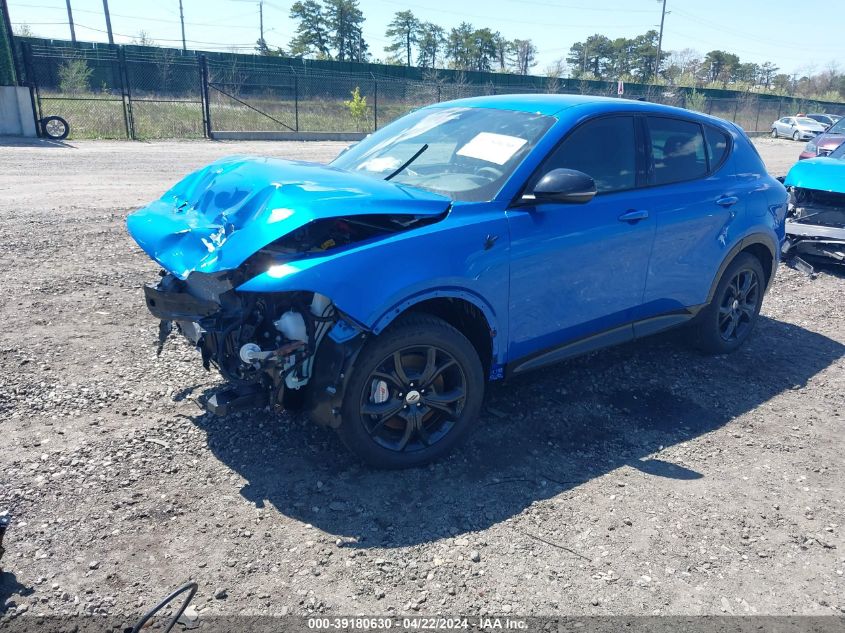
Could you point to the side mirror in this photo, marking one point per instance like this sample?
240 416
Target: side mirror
563 185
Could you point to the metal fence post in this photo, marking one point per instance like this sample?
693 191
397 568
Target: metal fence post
757 118
125 93
206 109
736 109
296 102
375 105
780 107
438 93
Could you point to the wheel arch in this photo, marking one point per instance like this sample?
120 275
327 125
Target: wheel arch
759 245
466 312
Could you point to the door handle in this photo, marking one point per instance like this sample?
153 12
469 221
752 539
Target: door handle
727 201
635 215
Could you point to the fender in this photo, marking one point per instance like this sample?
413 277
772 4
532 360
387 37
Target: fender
749 240
372 283
448 293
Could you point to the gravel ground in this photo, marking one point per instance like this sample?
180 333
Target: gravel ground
639 480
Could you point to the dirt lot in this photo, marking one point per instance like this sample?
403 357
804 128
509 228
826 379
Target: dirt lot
640 480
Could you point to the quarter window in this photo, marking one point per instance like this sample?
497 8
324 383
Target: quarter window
717 146
604 149
677 148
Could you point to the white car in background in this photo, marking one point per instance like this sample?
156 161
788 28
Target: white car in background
798 128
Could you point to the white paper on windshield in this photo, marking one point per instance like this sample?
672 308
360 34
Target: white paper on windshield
493 148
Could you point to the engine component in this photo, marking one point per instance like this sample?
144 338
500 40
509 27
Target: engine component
292 325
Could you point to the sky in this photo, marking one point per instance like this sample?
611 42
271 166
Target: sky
780 31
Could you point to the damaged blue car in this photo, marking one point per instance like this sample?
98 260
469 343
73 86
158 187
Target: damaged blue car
464 243
815 223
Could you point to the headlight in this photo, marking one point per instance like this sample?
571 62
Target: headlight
811 147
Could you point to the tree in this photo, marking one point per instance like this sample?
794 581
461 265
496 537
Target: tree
502 48
262 48
767 72
74 76
345 22
143 39
721 66
312 36
643 60
592 56
554 72
523 56
430 42
483 50
459 46
23 30
404 30
683 67
357 107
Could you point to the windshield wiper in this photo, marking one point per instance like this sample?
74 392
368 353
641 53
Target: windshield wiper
408 162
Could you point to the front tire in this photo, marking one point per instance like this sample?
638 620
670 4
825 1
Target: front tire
415 392
796 136
774 132
727 321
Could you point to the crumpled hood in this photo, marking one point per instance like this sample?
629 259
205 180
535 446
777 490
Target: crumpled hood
822 173
217 217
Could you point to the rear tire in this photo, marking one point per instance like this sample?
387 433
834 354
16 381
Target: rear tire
406 415
727 321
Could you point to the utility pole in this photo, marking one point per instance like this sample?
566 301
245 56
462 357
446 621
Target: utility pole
182 20
261 18
70 22
660 40
108 21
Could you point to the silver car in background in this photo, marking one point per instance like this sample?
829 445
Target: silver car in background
798 128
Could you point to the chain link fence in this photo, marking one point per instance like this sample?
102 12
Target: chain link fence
150 92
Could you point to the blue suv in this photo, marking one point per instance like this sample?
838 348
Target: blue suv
466 242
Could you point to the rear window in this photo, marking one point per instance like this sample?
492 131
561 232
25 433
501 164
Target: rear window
717 146
677 148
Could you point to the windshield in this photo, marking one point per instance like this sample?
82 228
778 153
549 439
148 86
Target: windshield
464 153
806 121
839 152
837 128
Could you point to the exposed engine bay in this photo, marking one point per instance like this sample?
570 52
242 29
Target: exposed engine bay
263 344
815 224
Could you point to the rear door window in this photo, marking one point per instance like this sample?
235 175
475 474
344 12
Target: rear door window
677 149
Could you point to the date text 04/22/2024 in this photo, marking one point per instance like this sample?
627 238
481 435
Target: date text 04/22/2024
417 623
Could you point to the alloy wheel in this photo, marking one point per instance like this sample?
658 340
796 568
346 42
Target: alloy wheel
413 398
738 308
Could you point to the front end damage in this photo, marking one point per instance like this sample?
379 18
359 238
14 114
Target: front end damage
815 224
265 346
235 220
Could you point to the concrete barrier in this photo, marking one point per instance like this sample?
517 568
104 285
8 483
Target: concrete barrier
349 137
16 116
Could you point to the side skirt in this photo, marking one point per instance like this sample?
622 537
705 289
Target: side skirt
608 338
